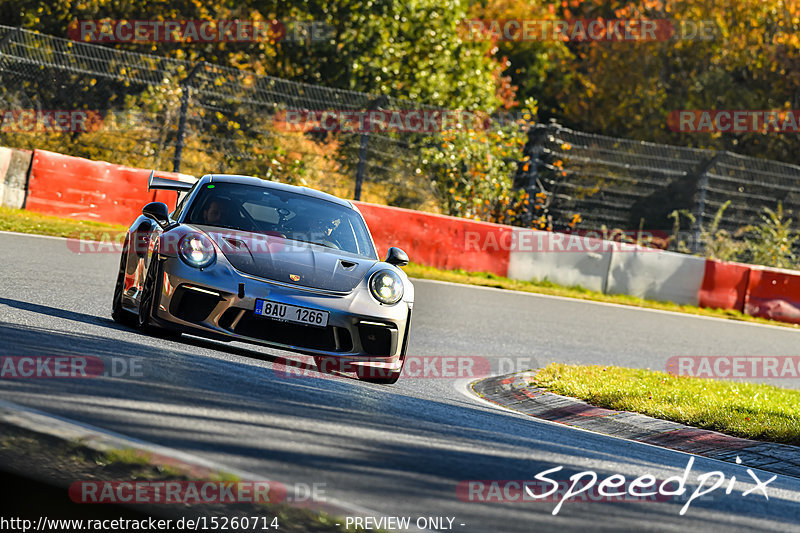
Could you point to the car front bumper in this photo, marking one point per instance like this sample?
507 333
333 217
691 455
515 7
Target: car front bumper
219 302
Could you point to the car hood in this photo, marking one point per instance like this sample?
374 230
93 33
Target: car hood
291 262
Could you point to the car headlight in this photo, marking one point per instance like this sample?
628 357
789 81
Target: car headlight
196 250
386 286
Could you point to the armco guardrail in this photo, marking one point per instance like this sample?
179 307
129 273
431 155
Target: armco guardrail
79 188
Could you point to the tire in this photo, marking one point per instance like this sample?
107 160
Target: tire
118 313
147 301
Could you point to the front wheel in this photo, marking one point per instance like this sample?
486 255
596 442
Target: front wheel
148 303
118 313
144 317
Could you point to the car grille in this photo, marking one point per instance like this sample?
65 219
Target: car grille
191 305
266 329
376 339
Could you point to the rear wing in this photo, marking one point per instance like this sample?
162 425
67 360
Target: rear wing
182 184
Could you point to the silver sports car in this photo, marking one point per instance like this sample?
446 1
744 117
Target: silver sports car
251 260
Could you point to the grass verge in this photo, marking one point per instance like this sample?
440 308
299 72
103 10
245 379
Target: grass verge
741 409
22 221
56 464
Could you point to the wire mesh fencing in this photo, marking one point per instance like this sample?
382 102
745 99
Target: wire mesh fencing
622 183
150 111
157 112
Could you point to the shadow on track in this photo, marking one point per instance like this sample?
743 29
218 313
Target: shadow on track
240 407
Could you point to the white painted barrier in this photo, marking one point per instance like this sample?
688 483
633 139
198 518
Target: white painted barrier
5 160
655 274
14 167
567 260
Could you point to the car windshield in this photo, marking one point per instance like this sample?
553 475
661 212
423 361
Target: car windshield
284 214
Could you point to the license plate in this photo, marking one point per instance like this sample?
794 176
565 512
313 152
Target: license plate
291 313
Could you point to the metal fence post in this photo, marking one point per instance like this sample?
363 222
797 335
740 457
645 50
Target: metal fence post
381 101
7 37
186 89
700 206
529 180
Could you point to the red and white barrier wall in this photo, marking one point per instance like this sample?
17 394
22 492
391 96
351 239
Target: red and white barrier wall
73 187
439 241
562 259
724 285
655 274
773 293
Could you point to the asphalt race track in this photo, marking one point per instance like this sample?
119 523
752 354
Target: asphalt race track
398 450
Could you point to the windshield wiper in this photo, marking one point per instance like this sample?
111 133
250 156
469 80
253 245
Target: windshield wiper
317 243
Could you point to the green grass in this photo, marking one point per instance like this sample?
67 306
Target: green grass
487 279
127 456
22 221
741 409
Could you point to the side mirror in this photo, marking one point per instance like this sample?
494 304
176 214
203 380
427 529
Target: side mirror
158 212
397 257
